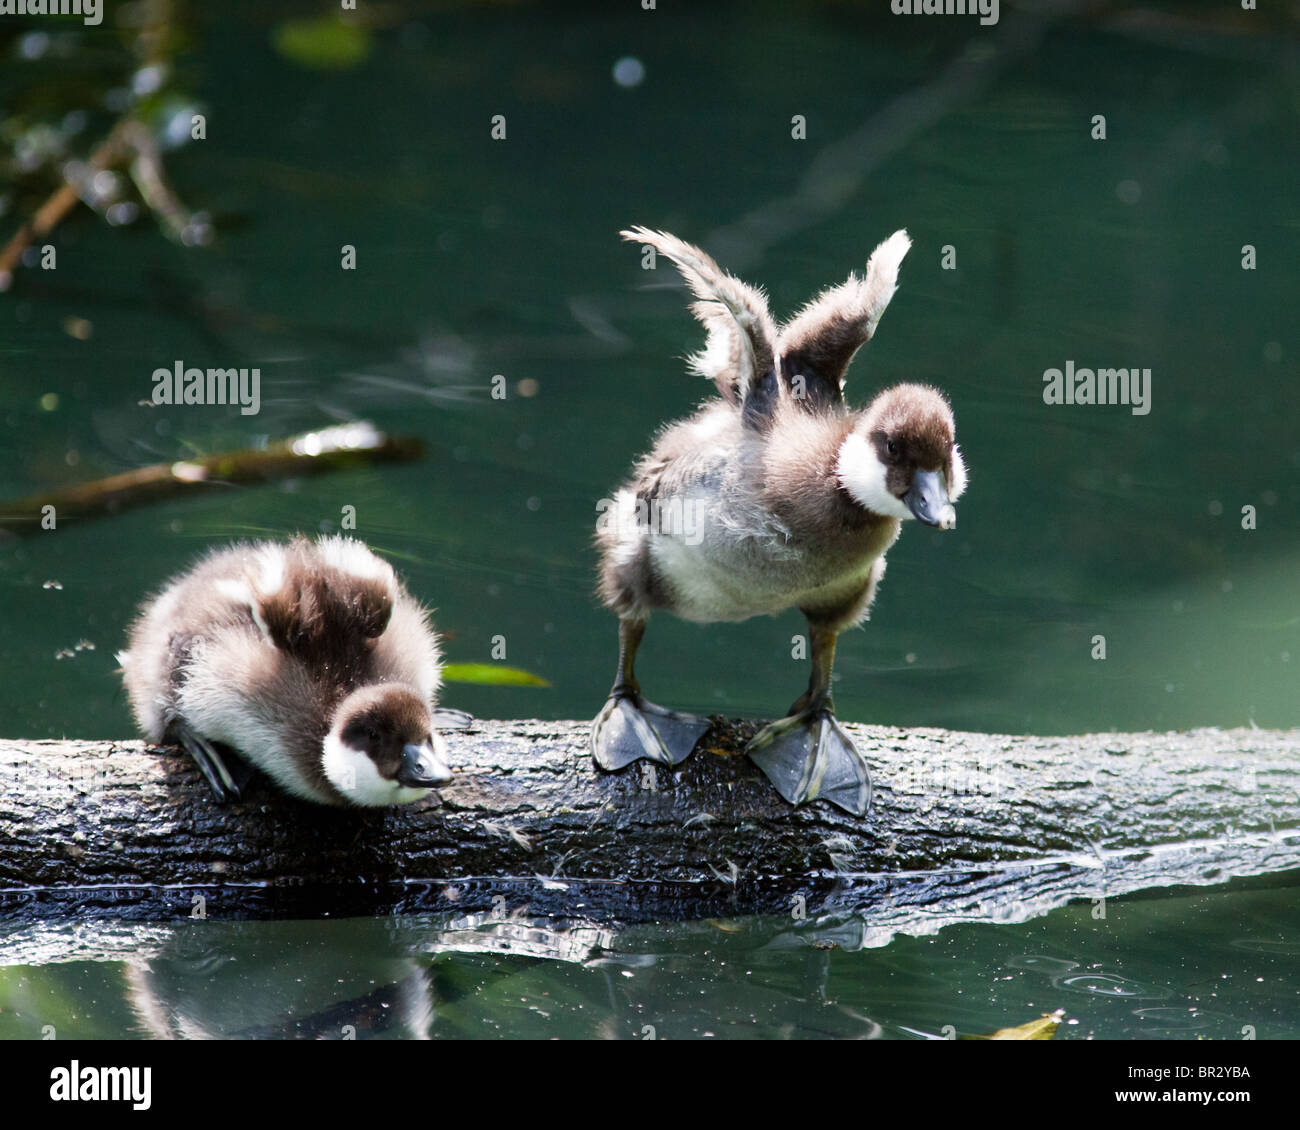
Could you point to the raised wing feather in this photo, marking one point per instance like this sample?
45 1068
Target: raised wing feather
739 353
817 344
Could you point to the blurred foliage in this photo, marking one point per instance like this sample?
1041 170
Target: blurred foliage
324 43
491 675
87 112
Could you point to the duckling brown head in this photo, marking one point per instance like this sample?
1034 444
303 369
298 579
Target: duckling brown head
383 748
901 459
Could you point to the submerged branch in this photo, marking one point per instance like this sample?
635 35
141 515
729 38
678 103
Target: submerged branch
113 150
338 448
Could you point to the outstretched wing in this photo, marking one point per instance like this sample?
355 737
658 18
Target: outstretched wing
739 353
818 343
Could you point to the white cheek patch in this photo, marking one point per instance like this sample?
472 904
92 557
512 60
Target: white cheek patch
958 483
354 775
863 476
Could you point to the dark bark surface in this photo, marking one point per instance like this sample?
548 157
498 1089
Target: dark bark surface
963 826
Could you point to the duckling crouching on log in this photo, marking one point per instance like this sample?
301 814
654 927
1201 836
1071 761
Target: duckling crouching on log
307 660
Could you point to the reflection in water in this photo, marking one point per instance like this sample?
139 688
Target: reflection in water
172 1008
480 976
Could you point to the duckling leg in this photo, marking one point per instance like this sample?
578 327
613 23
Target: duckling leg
226 781
630 728
807 754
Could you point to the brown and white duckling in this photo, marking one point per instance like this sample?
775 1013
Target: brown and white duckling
308 658
776 495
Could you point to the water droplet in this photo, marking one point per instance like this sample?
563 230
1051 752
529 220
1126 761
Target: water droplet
33 45
122 213
629 72
1109 985
149 78
105 184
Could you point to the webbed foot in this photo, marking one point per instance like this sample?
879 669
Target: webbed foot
809 756
447 719
226 773
630 728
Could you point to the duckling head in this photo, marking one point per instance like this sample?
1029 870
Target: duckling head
901 458
383 748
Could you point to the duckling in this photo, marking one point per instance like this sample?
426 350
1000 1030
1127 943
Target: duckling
774 495
309 659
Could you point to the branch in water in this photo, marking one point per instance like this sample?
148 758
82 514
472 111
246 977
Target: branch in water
337 448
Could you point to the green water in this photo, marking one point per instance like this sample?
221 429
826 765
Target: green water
745 978
480 257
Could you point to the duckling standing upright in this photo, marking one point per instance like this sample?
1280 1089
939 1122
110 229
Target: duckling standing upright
777 495
310 659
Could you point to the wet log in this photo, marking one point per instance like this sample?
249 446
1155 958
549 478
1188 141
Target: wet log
963 826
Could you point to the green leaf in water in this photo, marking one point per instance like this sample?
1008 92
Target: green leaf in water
322 43
491 675
1041 1029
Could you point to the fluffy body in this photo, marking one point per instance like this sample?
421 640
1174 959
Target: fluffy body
759 546
275 650
793 497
